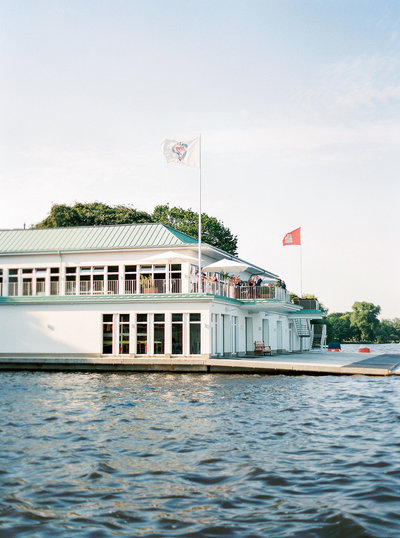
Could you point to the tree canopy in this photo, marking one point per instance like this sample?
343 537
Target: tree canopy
94 214
213 230
362 325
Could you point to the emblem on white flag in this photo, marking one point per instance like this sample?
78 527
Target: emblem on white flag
182 152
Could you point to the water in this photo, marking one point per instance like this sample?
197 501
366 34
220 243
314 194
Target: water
375 348
155 455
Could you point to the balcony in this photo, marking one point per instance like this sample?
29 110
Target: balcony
243 293
146 287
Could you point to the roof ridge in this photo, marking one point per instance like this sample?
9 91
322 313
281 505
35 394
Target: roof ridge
85 226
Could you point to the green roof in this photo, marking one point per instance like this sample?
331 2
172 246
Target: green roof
125 236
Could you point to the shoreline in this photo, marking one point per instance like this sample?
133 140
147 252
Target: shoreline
306 363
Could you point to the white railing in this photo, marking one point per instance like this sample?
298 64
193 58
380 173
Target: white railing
98 287
13 289
130 286
154 286
26 288
113 287
54 288
175 285
241 293
40 288
70 288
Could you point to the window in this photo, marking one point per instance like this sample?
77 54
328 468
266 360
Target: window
13 282
130 278
70 280
124 334
54 281
159 334
141 341
113 278
108 334
116 334
177 334
195 334
176 278
98 280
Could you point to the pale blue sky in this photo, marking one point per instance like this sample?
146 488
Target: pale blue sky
297 102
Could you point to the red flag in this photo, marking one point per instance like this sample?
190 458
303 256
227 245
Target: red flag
292 238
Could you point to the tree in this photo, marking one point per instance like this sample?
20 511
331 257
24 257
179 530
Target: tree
339 327
389 331
364 318
185 220
93 214
213 231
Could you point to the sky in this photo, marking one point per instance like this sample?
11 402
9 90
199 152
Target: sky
297 103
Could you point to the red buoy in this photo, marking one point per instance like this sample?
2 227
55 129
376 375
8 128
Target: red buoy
364 350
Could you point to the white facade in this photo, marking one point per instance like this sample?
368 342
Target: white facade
113 302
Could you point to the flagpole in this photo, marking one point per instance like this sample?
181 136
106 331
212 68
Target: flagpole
199 234
301 270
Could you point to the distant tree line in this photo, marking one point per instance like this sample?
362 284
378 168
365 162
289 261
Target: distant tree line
214 232
362 325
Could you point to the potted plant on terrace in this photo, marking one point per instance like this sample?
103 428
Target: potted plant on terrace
147 284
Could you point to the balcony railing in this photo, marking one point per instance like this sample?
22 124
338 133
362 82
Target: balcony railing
13 289
151 286
242 292
130 286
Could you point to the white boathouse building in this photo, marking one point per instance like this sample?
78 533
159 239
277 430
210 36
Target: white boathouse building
131 290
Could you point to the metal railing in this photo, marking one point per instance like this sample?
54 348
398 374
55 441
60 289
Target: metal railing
113 287
40 288
26 288
13 289
153 286
54 288
70 287
156 285
130 286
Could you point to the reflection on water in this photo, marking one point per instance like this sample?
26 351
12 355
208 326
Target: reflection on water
198 455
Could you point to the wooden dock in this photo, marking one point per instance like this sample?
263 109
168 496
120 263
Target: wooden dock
307 363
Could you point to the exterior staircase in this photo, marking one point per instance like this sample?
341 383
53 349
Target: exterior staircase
302 327
318 340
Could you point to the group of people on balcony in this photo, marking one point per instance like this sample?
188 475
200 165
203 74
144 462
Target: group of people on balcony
232 285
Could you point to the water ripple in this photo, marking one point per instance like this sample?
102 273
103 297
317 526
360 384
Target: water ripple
105 455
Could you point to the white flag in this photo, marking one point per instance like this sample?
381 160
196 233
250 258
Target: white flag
182 152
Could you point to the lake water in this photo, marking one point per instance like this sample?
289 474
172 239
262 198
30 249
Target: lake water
155 455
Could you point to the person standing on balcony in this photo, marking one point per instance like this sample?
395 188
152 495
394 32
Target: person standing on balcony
258 285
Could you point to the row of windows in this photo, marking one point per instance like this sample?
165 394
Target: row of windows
94 280
145 334
130 271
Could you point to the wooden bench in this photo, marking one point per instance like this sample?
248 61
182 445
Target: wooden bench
261 349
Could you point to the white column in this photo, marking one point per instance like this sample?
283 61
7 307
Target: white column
47 282
78 281
20 278
121 279
5 282
61 279
185 277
